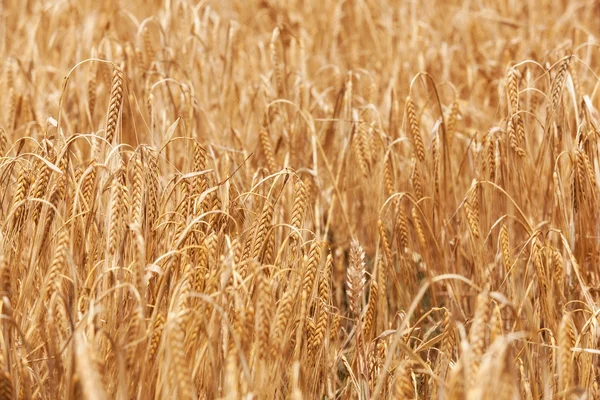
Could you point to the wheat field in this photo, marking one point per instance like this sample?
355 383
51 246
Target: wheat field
299 199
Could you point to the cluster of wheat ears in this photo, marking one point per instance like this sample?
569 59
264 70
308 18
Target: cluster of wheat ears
299 199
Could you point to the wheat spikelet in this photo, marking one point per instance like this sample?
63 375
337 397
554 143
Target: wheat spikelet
58 263
418 225
92 88
520 127
25 113
496 323
276 63
402 229
263 226
324 295
267 148
505 245
525 386
200 183
299 207
137 189
11 109
491 156
39 189
263 315
376 362
472 211
538 263
310 272
269 248
558 83
416 181
6 387
580 176
3 141
403 386
452 116
371 311
456 382
139 260
566 340
512 88
88 185
247 325
448 340
231 377
58 191
148 47
559 271
5 278
477 336
360 149
335 326
115 102
117 211
589 172
436 163
23 183
282 317
415 131
178 370
355 281
156 335
513 139
388 176
152 185
383 265
385 243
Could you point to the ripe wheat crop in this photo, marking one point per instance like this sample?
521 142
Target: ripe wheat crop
299 199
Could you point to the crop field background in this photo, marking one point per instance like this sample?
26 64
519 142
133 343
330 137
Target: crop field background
301 199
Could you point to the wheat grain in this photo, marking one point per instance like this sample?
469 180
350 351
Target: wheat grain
415 131
115 102
355 281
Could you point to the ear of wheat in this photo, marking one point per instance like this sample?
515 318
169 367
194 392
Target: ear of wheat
302 199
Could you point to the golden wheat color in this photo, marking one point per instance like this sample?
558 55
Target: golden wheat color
302 199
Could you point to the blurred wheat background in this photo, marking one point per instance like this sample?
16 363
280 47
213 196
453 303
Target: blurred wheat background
301 199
